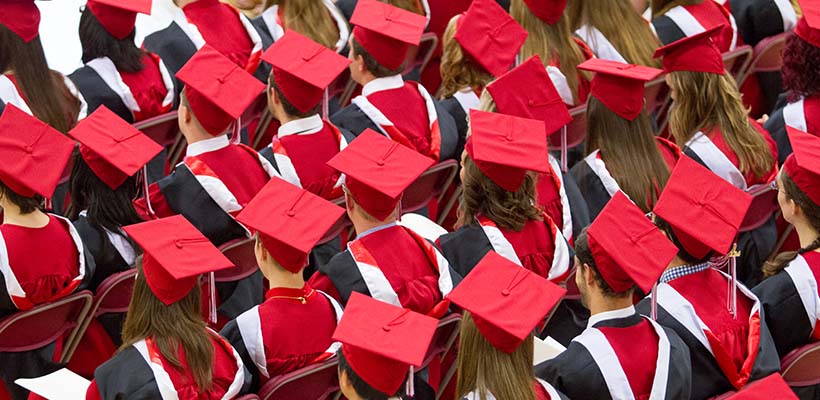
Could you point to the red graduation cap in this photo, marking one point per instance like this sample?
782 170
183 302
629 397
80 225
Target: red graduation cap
218 90
808 27
381 341
505 147
119 16
377 170
770 387
494 288
527 92
175 254
113 148
386 32
704 211
696 53
34 154
803 166
21 17
619 86
490 36
290 221
303 68
628 248
548 11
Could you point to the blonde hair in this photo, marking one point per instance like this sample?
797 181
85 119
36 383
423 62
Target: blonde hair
705 101
618 21
660 7
310 18
553 43
457 71
486 370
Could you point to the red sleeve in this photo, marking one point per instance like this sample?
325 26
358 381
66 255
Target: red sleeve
320 281
158 204
772 147
93 393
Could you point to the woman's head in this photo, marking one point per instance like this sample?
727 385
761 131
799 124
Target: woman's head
97 42
26 205
171 327
630 151
483 368
310 18
482 196
457 70
801 77
704 102
798 209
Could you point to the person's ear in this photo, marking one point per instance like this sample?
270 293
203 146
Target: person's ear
360 63
344 382
589 279
184 114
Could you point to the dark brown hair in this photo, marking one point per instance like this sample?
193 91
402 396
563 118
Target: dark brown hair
97 42
289 108
812 212
27 204
584 254
375 68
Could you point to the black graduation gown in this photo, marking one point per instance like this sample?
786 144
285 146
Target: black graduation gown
455 110
591 188
97 93
575 372
759 19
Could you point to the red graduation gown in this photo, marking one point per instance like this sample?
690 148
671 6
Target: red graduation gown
684 21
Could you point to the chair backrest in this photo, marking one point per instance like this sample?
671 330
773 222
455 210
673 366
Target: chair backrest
45 323
314 382
768 55
432 183
242 255
656 93
443 338
420 55
573 293
801 367
737 61
164 128
764 205
576 129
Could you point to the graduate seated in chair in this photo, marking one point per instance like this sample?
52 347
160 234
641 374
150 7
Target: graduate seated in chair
621 354
289 221
386 260
402 111
725 329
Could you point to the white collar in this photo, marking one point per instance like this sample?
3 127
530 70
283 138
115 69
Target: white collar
607 315
207 145
307 125
379 84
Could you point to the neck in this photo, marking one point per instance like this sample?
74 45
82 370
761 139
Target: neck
676 262
599 303
12 216
183 3
806 234
281 278
195 134
366 78
284 117
364 225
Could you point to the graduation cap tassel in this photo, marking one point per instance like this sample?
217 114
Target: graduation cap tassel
564 148
411 388
654 305
145 192
212 298
733 272
326 105
237 127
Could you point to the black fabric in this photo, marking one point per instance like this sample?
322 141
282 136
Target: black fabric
2 106
591 190
568 321
233 335
174 48
453 107
106 257
28 364
345 275
577 205
785 314
807 392
346 7
668 31
263 31
465 247
240 296
97 93
776 125
756 19
126 376
353 119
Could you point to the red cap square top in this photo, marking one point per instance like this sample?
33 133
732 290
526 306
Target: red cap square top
527 92
381 341
493 288
803 166
704 211
385 31
628 249
505 147
620 86
377 170
808 27
34 154
303 68
549 11
290 221
113 148
118 16
696 53
21 17
770 387
175 254
217 89
490 36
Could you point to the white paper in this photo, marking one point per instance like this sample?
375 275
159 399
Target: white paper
546 349
422 225
59 385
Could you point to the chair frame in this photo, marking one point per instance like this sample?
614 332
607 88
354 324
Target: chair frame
446 164
270 388
793 359
762 49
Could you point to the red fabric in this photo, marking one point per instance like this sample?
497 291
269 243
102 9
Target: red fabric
295 334
717 138
407 110
707 293
44 260
148 88
229 36
811 109
620 86
636 347
95 348
406 267
669 150
158 204
710 14
238 169
21 17
92 393
534 246
310 154
548 196
440 13
223 372
320 281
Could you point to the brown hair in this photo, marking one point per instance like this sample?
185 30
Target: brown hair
27 205
660 7
413 6
457 70
486 370
705 101
372 65
620 24
584 255
482 196
171 327
44 90
310 18
812 212
630 151
550 42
